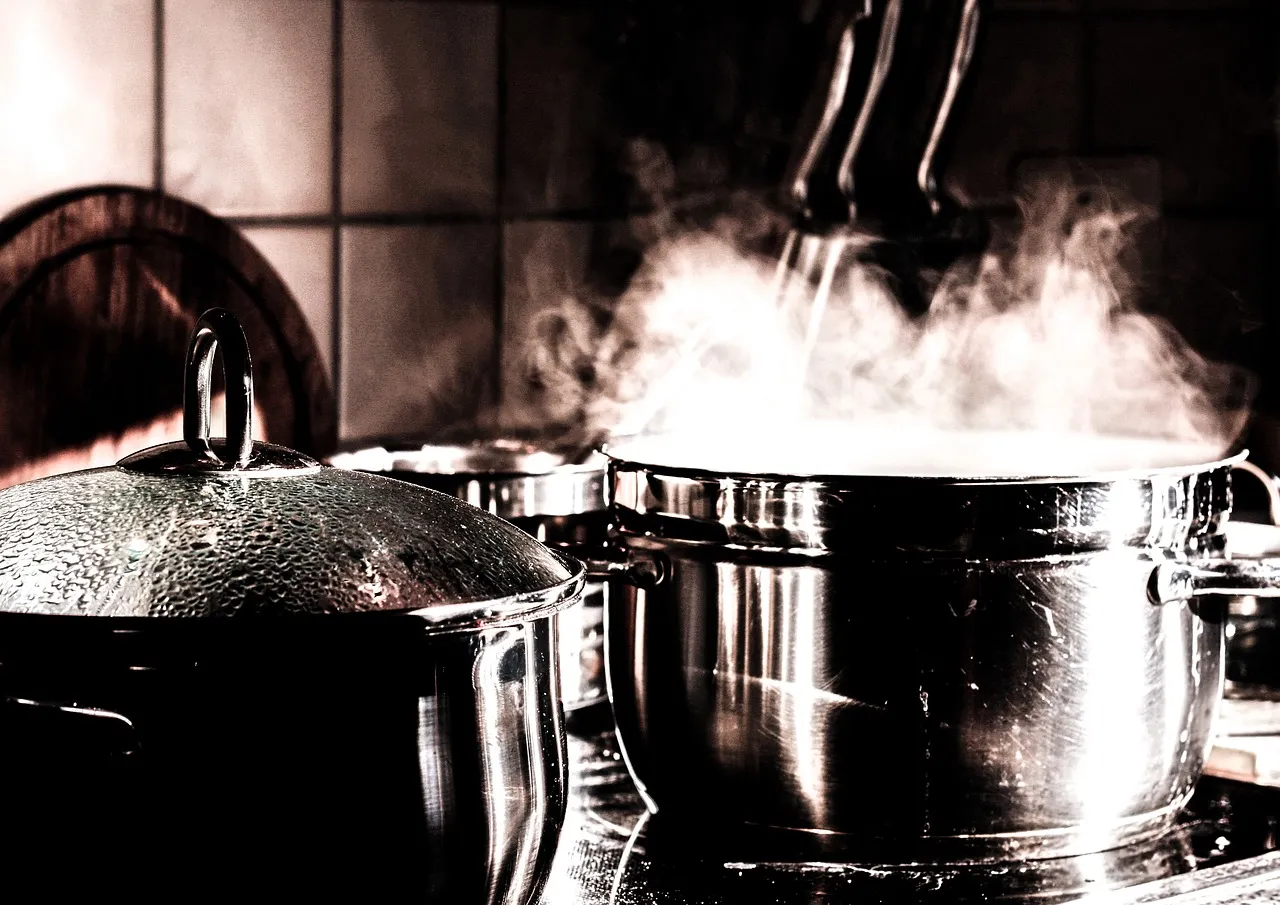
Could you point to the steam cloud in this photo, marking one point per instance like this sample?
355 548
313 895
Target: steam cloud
1037 347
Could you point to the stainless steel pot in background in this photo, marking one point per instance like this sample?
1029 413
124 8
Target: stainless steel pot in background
921 669
558 502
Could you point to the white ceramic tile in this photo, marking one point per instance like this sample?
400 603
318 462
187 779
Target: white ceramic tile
417 328
248 105
419 109
77 95
302 256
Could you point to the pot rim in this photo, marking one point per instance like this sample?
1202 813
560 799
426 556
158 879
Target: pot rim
441 618
523 607
529 483
382 458
623 462
1176 508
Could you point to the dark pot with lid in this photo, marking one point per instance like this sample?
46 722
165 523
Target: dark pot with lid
221 661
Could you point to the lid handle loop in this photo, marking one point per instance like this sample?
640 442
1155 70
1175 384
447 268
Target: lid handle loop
218 329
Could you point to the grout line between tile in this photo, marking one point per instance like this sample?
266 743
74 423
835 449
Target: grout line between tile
422 219
335 220
1188 15
500 191
157 51
324 221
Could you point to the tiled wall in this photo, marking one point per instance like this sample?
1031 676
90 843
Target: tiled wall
425 174
353 142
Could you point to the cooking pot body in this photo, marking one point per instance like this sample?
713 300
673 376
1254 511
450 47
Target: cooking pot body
368 757
912 670
926 710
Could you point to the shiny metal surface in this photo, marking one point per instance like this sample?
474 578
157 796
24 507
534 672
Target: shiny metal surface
1253 619
1270 486
111 542
834 131
917 669
511 479
961 59
180 531
236 454
928 711
218 328
615 853
1177 581
883 515
864 169
265 460
371 760
354 688
557 502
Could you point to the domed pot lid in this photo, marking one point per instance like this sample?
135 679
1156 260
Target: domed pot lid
233 528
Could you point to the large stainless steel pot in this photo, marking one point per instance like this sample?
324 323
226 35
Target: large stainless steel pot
916 668
222 663
560 502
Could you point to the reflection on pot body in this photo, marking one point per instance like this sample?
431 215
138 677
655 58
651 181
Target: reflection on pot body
562 505
517 795
912 669
903 720
385 761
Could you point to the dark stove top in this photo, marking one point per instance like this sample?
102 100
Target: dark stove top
613 852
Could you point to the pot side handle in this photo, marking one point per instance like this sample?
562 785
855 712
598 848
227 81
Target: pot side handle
1172 582
58 730
1269 483
610 563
